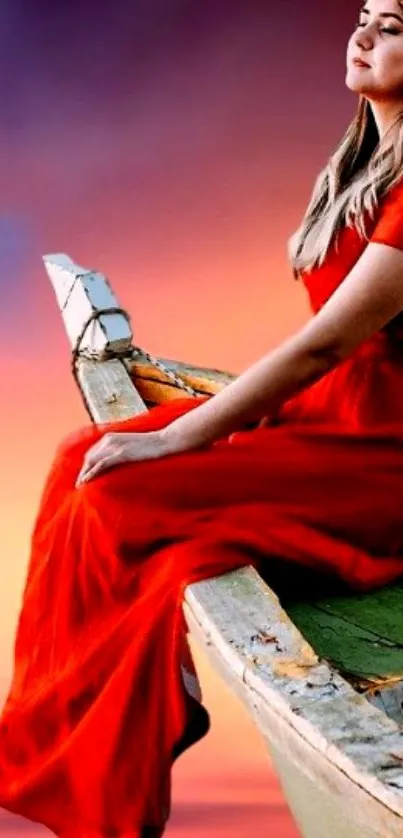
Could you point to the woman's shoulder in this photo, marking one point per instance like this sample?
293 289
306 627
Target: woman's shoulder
385 227
388 221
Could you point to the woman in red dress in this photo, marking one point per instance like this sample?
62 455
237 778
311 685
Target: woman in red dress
104 695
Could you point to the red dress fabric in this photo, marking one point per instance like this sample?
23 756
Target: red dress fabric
104 695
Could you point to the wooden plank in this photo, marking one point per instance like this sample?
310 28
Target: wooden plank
108 390
202 379
277 674
379 611
156 392
353 649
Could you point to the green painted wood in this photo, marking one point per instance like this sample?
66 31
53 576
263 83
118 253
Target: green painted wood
361 634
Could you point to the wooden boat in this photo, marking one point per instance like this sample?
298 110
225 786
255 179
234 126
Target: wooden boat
322 676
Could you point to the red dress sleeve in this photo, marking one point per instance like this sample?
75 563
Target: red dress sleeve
389 224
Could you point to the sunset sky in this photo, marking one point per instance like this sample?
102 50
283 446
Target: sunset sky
172 144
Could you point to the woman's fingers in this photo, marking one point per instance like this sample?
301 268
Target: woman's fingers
97 468
115 448
100 465
104 454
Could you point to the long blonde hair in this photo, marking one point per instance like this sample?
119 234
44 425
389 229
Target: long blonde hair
356 177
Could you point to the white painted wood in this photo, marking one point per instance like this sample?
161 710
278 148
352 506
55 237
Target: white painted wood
390 700
80 292
105 384
321 733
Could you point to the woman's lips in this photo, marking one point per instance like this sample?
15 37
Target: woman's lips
358 63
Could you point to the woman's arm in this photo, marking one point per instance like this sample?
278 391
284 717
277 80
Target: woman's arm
369 297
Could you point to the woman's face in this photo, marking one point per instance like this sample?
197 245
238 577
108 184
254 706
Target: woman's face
377 43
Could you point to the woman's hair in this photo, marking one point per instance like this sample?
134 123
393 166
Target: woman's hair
357 176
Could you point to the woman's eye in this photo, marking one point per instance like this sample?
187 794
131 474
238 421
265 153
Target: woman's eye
390 30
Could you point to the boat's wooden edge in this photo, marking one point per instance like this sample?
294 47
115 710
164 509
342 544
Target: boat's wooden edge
107 390
242 618
271 661
155 385
324 799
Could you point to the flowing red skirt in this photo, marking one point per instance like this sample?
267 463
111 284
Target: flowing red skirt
104 695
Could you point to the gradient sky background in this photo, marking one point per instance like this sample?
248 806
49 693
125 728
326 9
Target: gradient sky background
173 145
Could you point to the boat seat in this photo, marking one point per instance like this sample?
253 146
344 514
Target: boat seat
360 634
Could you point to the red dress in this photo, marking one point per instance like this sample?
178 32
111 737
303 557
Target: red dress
104 694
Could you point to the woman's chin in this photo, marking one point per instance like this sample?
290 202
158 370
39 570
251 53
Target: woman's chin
356 84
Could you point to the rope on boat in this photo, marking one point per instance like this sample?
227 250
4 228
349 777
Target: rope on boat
172 375
135 350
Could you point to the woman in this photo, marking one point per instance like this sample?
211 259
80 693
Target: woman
103 699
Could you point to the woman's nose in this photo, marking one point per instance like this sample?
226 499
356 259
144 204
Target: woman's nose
363 38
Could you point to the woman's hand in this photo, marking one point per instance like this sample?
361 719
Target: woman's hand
116 448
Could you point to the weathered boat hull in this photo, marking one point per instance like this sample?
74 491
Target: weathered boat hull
332 751
339 758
